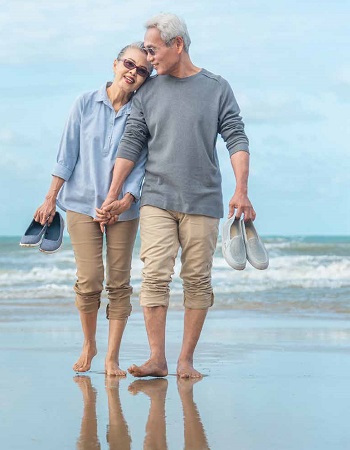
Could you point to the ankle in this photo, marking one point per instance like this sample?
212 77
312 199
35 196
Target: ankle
158 358
188 359
89 343
112 357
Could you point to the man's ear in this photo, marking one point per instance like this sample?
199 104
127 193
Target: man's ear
179 44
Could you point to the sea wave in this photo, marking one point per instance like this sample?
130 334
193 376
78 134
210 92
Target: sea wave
305 274
36 274
308 272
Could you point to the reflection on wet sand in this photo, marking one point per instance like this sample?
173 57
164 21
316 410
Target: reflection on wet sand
156 390
118 436
88 439
195 438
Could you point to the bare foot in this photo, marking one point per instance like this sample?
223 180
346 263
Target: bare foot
112 368
84 362
185 369
156 386
149 369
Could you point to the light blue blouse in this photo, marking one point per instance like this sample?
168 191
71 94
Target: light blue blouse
87 155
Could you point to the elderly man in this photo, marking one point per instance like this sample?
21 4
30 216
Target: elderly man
179 113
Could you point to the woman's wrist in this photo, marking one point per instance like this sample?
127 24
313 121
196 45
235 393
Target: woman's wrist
51 196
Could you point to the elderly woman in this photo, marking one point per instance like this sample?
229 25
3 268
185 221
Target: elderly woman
81 180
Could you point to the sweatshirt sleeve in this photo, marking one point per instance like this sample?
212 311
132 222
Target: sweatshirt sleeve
69 148
231 126
134 180
136 132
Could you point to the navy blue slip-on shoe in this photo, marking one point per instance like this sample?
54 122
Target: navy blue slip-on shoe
52 240
33 235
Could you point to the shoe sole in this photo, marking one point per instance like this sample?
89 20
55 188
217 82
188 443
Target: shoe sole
259 266
32 245
50 251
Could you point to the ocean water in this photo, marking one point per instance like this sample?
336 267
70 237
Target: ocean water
307 275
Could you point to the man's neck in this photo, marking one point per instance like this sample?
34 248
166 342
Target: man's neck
185 68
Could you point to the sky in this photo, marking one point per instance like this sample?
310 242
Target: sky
288 64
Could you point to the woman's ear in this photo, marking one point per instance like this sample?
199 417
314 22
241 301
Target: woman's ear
115 65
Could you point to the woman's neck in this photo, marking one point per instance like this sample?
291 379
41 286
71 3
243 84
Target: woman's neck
117 96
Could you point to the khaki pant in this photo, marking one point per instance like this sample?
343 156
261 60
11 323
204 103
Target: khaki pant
162 233
87 242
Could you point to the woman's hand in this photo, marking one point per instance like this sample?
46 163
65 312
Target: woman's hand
46 212
110 210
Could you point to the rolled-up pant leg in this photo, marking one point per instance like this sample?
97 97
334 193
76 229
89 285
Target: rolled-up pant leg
87 243
120 239
198 237
159 247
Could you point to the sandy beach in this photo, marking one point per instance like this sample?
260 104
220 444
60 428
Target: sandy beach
271 382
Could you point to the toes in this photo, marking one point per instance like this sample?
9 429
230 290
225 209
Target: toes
132 369
77 364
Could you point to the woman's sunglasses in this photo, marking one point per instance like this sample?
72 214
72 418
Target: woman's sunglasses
140 70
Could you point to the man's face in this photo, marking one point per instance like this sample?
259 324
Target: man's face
165 59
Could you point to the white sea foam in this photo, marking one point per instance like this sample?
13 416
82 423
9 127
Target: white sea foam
46 291
298 268
36 274
286 271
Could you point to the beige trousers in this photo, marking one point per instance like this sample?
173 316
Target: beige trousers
87 242
162 233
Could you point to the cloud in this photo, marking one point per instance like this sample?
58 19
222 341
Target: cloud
67 30
343 76
277 107
341 84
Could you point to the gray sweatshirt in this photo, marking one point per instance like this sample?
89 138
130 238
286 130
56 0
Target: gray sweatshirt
180 119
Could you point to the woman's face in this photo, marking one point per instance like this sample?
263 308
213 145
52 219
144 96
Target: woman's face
128 79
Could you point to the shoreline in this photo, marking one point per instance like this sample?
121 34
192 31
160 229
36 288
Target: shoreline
40 309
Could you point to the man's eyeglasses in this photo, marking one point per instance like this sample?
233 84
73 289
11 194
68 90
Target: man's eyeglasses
150 50
140 70
153 50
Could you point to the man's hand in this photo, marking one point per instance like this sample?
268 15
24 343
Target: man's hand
241 203
110 210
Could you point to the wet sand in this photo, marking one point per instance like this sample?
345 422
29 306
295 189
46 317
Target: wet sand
271 382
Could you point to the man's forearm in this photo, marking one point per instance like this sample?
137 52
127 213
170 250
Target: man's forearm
240 165
122 168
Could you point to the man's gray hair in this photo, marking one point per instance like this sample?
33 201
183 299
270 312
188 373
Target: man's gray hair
170 26
140 46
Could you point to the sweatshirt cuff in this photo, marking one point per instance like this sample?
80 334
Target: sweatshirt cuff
239 148
126 154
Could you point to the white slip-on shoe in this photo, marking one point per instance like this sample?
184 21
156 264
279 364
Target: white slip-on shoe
256 252
233 247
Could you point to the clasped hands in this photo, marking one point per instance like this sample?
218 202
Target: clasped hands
111 209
